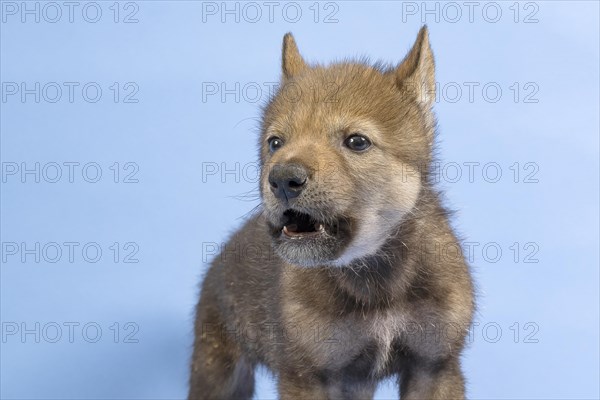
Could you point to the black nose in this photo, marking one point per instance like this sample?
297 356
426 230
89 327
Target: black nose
287 180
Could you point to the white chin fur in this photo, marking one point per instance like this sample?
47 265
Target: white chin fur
379 223
372 233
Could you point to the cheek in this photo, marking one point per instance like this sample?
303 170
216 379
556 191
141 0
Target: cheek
405 187
389 186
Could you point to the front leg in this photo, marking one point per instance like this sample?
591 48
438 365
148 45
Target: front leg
427 381
324 387
219 369
293 386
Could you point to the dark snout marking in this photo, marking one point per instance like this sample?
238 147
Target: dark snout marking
287 180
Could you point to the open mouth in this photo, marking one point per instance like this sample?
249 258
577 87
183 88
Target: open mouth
300 225
303 239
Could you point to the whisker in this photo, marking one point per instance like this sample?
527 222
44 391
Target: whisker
255 211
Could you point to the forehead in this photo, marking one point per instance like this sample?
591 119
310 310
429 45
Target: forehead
320 124
336 98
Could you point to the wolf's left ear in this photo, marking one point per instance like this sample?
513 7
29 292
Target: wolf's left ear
417 71
291 60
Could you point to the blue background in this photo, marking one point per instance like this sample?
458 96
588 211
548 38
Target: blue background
171 214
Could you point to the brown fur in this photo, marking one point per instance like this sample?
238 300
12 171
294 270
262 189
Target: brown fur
372 297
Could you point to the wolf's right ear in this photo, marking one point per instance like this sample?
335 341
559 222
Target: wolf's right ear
291 60
417 71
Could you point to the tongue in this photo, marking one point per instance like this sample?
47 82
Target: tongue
300 224
294 230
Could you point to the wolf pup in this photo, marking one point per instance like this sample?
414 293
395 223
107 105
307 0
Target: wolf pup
342 279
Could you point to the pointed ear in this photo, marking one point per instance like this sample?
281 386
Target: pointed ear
291 60
417 71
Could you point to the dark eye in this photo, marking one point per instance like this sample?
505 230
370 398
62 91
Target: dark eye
274 143
357 142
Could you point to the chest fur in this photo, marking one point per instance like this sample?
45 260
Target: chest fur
336 342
